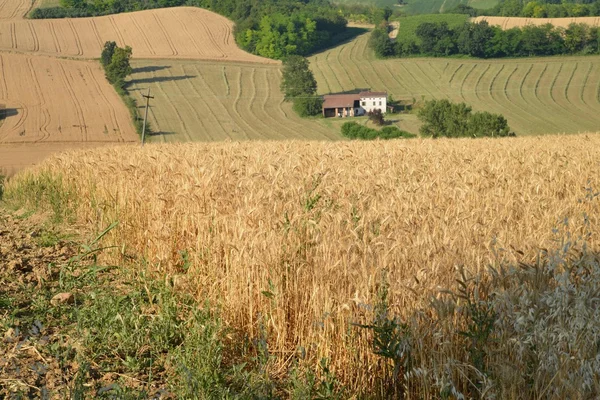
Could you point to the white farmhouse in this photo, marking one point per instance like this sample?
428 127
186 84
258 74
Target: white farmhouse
370 101
353 104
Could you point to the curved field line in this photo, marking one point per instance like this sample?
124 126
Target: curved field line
117 31
251 100
505 92
584 84
189 35
40 95
580 108
13 35
214 100
338 53
566 90
328 63
439 75
476 90
36 41
96 33
236 102
462 84
317 67
207 127
168 100
143 35
400 83
3 81
20 122
211 38
76 36
165 34
263 107
454 74
225 81
113 114
78 110
541 111
415 80
54 36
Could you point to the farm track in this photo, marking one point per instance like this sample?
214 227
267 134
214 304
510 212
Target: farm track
537 96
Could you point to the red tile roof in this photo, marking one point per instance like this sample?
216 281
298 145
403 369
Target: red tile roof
372 94
340 100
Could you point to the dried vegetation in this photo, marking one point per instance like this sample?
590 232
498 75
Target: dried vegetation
351 252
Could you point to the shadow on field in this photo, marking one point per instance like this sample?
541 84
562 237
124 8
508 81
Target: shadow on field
341 38
8 112
161 133
150 68
156 79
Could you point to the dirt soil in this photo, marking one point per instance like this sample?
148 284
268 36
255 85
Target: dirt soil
26 367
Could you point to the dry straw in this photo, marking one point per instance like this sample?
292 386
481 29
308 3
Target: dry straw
294 236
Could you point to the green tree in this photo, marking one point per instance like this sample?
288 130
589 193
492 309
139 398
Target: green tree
119 66
308 105
376 116
381 43
297 78
107 53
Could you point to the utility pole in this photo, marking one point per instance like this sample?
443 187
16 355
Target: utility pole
148 97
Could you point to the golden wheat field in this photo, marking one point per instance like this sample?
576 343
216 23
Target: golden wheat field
15 9
181 32
294 236
517 22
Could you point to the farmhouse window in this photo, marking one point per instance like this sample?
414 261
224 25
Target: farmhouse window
364 103
374 103
380 103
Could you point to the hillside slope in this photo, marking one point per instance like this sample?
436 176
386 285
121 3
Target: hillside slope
302 232
181 32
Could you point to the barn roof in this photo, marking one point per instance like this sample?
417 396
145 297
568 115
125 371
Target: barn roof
340 100
372 94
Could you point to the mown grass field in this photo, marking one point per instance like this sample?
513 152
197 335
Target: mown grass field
413 7
408 25
537 96
211 101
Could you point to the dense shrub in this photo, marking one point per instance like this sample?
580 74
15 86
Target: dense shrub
354 130
441 118
485 41
308 105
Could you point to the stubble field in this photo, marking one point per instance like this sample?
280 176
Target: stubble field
537 96
513 22
203 101
182 32
56 103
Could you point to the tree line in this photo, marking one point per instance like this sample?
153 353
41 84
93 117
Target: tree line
269 28
484 41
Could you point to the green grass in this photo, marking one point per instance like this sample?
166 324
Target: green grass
128 335
537 96
408 25
415 7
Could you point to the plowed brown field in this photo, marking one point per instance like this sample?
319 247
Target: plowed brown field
59 102
182 32
512 22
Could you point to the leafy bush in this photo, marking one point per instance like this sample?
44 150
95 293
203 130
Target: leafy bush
353 130
439 39
441 118
308 106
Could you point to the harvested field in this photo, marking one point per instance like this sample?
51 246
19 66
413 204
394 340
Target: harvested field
58 102
14 9
290 240
514 22
182 32
203 101
537 95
